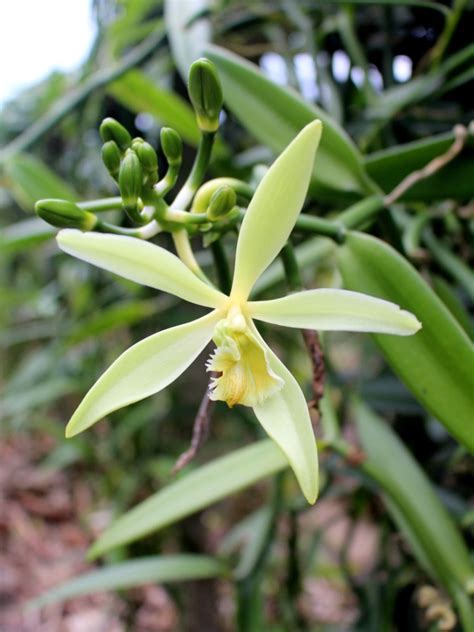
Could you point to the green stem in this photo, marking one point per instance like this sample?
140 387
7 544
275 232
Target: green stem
222 266
196 176
361 212
104 204
74 98
290 265
186 254
249 601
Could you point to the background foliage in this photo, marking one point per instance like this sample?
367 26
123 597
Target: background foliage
397 424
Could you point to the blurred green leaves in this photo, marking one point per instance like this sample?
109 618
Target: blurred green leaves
437 363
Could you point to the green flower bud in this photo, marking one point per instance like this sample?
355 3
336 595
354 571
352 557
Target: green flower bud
110 129
64 214
130 180
222 201
111 158
136 142
171 145
148 160
205 92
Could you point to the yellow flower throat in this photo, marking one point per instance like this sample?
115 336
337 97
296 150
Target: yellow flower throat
246 377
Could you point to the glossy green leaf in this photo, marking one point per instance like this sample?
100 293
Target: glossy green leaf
416 508
156 569
137 92
436 363
389 166
275 115
189 30
192 492
29 179
451 300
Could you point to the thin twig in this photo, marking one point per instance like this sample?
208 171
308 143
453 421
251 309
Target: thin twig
460 136
201 427
316 354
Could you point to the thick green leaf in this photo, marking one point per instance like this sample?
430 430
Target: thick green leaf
389 166
28 179
139 93
159 568
455 306
192 492
275 115
416 508
189 30
436 363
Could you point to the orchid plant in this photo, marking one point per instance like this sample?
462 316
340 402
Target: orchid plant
248 371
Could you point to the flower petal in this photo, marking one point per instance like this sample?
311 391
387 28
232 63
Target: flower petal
336 310
285 417
142 262
144 369
273 210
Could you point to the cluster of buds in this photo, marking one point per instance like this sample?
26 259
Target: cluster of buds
133 164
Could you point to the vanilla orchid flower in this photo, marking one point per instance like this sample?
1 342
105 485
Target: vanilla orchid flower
249 372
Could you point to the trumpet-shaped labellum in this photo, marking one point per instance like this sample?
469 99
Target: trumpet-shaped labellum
249 373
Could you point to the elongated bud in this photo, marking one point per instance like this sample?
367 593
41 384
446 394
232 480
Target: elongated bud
111 158
148 160
171 145
64 214
110 129
222 201
205 92
130 180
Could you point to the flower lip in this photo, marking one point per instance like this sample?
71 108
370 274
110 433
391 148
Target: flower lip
245 374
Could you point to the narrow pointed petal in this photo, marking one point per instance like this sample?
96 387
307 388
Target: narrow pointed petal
144 369
140 261
336 310
285 417
273 210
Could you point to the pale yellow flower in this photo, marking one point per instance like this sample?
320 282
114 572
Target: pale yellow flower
250 373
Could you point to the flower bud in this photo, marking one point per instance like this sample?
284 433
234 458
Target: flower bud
130 180
205 92
148 160
64 214
111 158
110 129
171 145
222 201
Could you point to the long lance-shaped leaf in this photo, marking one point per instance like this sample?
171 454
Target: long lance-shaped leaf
436 364
389 166
275 115
416 508
29 179
159 568
194 491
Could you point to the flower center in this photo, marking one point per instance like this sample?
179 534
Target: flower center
245 375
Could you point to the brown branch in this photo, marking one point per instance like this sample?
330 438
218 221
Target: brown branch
460 136
316 354
201 427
